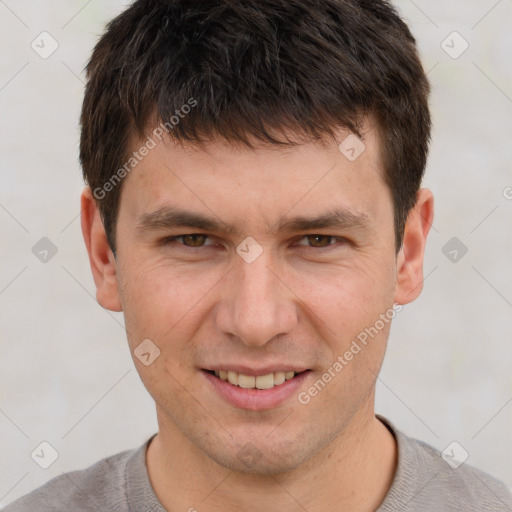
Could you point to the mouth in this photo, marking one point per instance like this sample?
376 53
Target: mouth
267 381
265 389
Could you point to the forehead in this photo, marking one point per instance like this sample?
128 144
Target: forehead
265 182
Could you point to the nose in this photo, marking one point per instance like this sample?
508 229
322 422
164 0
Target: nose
256 304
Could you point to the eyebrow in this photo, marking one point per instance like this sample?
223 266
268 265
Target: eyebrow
171 217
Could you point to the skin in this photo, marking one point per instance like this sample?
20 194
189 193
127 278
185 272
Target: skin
298 303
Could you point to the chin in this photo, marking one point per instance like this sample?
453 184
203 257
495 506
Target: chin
260 455
253 461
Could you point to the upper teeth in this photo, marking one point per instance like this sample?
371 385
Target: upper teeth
250 381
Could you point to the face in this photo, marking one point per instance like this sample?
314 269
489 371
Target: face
232 260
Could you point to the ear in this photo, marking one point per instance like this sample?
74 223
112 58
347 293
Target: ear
101 258
410 257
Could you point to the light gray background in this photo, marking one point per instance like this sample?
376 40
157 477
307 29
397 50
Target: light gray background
66 375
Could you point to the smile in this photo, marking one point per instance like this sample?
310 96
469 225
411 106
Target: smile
256 392
254 382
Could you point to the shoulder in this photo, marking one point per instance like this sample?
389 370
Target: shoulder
461 487
425 481
101 486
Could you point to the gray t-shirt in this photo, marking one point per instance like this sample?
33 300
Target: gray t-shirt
423 482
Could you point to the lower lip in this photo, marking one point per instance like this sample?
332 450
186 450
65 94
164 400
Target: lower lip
256 399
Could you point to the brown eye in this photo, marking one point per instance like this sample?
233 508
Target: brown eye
319 240
195 240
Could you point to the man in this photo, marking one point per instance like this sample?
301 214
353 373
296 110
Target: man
254 208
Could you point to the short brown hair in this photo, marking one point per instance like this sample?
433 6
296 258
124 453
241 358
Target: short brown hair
255 68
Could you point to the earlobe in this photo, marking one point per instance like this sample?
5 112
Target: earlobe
411 255
101 258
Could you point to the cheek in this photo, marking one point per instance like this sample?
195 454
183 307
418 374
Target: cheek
159 302
164 306
349 293
348 307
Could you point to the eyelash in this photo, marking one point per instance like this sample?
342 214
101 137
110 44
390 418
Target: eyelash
172 239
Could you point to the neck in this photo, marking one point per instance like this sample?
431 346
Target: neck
354 472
